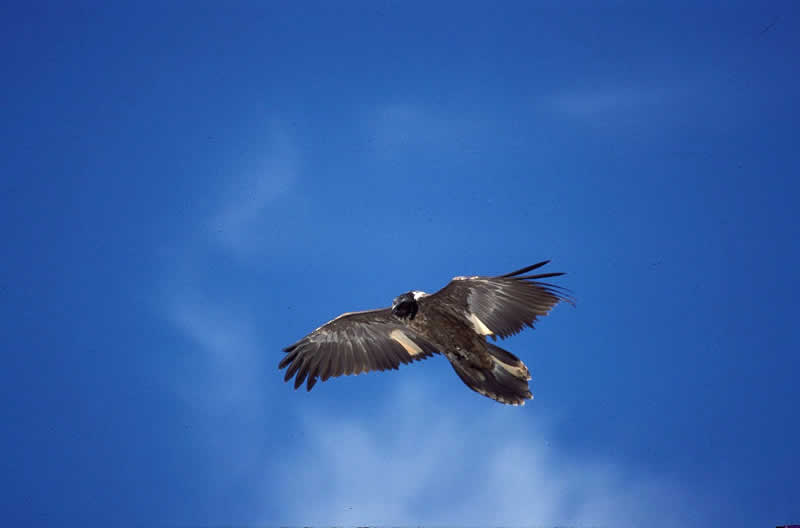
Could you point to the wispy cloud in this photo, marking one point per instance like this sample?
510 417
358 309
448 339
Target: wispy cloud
219 377
224 340
239 224
219 381
616 100
594 102
223 373
403 125
423 463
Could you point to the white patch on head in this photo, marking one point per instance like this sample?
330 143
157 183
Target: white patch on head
410 346
479 326
418 294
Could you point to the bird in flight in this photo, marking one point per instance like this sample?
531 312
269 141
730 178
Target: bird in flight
453 321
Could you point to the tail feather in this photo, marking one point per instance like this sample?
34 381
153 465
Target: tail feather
509 362
506 381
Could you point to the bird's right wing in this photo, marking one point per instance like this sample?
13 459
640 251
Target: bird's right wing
353 343
502 305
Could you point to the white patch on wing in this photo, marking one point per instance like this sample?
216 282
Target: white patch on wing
479 326
410 346
517 372
418 294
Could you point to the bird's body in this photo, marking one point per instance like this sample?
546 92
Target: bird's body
454 322
471 355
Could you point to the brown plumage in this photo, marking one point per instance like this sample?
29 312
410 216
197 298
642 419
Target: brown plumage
453 321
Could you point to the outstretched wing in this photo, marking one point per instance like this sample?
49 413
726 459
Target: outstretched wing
353 343
503 305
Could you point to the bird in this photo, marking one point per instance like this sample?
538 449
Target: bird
454 322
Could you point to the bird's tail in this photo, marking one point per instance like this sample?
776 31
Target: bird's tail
506 381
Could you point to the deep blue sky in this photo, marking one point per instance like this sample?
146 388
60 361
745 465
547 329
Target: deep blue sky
186 190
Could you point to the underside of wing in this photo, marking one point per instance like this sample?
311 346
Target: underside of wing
503 305
353 343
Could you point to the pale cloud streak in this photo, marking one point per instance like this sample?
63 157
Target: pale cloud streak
619 100
403 125
224 374
220 376
224 337
240 226
591 103
424 463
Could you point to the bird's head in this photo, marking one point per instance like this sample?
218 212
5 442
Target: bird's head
405 306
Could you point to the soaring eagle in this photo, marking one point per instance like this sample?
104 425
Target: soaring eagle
453 321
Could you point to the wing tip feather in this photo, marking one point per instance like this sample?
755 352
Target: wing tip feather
526 269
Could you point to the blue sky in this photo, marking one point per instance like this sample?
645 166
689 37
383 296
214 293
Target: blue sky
185 190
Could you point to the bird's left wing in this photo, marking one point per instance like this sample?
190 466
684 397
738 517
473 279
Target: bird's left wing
353 343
